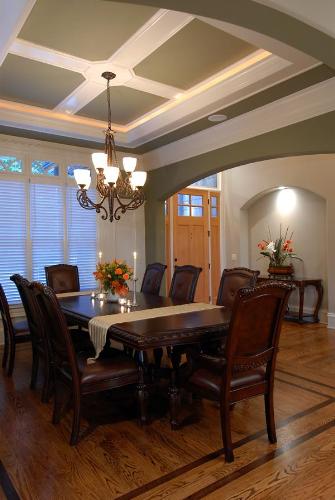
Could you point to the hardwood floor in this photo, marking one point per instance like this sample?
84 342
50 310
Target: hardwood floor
117 459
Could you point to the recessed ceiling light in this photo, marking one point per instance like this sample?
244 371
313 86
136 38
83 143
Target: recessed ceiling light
217 118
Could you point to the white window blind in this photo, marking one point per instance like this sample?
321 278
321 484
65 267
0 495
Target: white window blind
81 238
46 227
12 235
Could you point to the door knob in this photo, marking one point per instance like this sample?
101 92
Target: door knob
175 259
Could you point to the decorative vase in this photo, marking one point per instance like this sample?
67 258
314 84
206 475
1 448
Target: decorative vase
112 296
281 271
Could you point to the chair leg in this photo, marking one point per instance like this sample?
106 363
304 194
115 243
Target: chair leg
5 352
226 431
12 349
270 417
76 419
47 382
34 369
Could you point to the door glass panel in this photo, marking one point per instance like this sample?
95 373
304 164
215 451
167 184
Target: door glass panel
184 211
183 199
214 212
196 200
197 211
213 201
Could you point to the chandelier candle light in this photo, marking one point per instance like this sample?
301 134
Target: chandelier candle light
123 190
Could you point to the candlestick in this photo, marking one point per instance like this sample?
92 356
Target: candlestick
135 263
100 256
134 303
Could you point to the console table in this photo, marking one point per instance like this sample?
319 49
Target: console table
302 284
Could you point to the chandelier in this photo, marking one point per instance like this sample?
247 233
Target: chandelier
121 189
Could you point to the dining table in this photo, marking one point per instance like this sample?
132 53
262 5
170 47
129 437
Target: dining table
186 328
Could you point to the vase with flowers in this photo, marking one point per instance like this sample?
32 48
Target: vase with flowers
280 253
113 277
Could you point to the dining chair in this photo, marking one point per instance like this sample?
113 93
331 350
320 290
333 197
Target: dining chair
15 332
184 283
62 278
152 278
73 371
231 281
40 347
183 287
247 368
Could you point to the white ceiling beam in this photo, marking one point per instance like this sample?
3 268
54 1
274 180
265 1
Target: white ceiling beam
81 96
46 55
13 17
265 42
162 26
153 87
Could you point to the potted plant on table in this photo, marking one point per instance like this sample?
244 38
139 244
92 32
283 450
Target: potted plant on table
279 252
113 277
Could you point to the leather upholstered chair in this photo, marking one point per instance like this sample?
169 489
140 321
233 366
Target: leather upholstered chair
62 278
231 281
248 366
153 278
40 348
15 332
184 283
72 372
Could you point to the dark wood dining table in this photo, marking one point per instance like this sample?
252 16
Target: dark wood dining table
143 335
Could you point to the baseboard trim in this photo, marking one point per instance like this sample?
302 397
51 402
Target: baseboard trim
331 321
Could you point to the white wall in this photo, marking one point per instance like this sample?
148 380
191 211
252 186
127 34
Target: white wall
314 173
307 218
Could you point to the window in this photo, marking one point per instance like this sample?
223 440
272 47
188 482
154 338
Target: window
190 205
43 167
208 182
81 237
46 227
214 206
71 168
13 235
41 223
10 164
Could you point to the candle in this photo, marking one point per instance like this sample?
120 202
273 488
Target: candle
135 260
100 256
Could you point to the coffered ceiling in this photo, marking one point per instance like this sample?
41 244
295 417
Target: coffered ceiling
173 70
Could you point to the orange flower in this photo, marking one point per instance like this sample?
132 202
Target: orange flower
118 271
115 284
123 291
126 276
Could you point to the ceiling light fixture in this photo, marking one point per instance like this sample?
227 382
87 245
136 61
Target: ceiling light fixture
121 188
217 118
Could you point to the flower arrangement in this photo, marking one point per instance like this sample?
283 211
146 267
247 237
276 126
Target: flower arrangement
279 250
113 276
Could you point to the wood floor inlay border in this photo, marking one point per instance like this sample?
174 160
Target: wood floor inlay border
305 378
259 462
215 454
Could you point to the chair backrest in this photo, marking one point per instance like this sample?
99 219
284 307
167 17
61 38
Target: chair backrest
152 278
5 315
233 280
255 327
62 278
57 332
184 282
29 302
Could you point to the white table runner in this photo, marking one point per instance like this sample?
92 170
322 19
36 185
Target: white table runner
99 325
73 294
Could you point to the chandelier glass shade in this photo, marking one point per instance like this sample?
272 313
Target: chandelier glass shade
122 190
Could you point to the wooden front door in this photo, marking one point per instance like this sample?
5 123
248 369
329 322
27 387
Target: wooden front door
190 235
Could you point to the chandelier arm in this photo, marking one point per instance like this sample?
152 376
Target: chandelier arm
133 204
85 202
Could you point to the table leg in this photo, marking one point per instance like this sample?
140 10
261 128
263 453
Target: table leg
174 390
301 303
142 389
319 290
